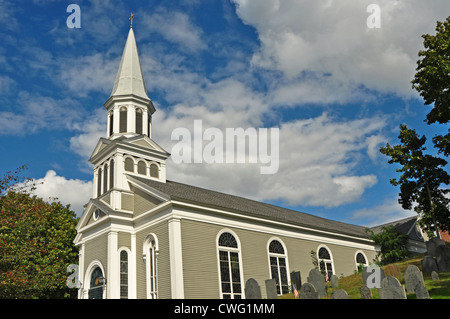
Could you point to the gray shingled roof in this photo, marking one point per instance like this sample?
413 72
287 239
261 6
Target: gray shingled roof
193 194
402 225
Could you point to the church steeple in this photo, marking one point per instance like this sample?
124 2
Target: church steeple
129 107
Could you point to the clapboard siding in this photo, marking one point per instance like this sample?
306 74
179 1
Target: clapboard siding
143 202
161 230
200 265
97 249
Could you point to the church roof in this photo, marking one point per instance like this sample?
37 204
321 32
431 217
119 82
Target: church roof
129 78
197 195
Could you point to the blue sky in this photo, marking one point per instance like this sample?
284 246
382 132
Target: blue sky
336 89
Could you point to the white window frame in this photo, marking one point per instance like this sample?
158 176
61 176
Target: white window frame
330 261
278 256
151 265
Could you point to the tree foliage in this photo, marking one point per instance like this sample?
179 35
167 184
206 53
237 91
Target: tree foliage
421 179
36 244
393 244
432 80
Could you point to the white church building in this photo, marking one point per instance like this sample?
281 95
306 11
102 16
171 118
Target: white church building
143 236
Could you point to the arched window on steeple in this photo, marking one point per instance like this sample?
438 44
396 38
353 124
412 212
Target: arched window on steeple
99 182
154 171
123 119
111 174
105 179
111 123
139 122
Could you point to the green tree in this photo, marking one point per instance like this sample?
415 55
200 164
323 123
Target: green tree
36 244
392 244
432 80
422 176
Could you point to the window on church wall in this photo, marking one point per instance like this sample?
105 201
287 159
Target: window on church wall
325 262
123 274
142 168
105 179
111 123
111 174
129 164
154 171
360 260
139 121
99 182
230 273
96 284
123 119
278 266
151 260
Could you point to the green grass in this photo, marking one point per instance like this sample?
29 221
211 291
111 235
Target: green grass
351 284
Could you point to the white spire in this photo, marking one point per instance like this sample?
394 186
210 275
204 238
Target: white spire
129 78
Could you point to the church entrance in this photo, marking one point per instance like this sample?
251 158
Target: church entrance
97 284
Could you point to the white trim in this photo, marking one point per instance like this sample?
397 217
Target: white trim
129 270
365 257
331 258
113 276
230 249
146 256
176 259
87 279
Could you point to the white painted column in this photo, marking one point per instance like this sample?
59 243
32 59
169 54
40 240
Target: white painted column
176 259
132 284
116 119
131 118
145 121
113 274
81 271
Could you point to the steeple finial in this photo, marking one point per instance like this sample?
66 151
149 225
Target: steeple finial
131 19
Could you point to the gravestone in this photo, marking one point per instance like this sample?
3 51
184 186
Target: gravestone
421 291
252 289
334 281
307 291
429 265
432 245
339 294
392 270
271 288
434 276
443 258
373 276
413 276
318 281
391 289
296 280
366 293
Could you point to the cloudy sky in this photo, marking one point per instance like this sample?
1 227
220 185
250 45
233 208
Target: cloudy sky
335 87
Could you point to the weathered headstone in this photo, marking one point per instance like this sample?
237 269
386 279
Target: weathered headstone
271 288
429 265
413 276
252 289
443 258
432 245
392 270
307 291
391 289
373 276
421 291
296 280
339 294
318 281
334 281
434 276
366 293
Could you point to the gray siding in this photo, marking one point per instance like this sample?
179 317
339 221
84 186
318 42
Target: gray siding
200 261
143 202
161 231
97 249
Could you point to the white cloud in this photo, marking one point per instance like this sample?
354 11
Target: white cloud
68 191
332 38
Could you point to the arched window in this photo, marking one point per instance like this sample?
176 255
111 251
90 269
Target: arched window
142 168
139 122
96 284
111 174
105 179
278 266
129 164
111 123
123 274
360 260
99 182
325 262
230 273
151 264
154 171
123 119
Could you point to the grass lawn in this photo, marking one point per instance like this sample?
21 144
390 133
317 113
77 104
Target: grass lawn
437 289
